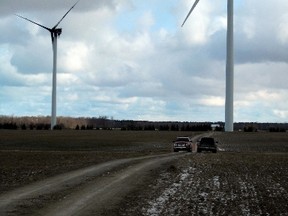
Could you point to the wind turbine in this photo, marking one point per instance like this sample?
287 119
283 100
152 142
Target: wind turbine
229 64
55 33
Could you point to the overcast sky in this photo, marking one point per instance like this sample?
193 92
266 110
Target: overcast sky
130 59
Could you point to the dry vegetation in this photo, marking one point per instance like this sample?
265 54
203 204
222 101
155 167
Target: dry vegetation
249 176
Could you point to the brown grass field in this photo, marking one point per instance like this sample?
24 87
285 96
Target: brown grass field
248 176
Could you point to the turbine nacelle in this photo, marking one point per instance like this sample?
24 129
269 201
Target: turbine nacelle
54 31
57 32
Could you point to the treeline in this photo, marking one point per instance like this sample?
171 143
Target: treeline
99 123
106 123
170 127
255 127
31 123
38 126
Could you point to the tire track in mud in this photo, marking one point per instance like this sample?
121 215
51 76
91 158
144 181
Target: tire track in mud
88 202
87 198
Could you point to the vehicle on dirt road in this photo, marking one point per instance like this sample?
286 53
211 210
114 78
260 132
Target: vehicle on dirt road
182 144
207 144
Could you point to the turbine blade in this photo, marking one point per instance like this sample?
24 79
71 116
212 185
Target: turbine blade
194 5
65 15
34 22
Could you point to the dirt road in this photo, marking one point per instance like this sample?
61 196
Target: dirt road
89 191
248 176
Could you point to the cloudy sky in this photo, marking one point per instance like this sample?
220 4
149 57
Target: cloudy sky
130 59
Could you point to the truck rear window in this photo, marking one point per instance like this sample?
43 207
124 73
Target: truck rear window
183 139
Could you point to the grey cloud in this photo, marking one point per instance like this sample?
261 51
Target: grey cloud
36 59
8 7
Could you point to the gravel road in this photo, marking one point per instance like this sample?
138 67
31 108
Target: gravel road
89 191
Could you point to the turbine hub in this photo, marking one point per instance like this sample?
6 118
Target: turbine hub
57 32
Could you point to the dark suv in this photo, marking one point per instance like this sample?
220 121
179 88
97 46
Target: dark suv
207 144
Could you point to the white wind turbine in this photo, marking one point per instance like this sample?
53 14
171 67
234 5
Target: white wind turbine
55 33
229 64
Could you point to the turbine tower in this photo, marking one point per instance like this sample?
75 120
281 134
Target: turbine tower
55 33
229 64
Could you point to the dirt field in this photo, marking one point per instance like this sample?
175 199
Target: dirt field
29 156
249 175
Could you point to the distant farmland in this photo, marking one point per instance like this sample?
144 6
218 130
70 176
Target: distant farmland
248 175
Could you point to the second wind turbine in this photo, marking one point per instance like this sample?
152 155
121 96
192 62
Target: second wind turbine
229 64
55 33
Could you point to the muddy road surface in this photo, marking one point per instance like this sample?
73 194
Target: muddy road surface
90 191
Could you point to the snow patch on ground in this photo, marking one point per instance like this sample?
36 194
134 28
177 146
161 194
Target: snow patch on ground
221 184
157 206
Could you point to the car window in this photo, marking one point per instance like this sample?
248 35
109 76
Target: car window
183 139
207 141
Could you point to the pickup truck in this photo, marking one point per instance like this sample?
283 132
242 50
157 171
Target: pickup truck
182 144
207 144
